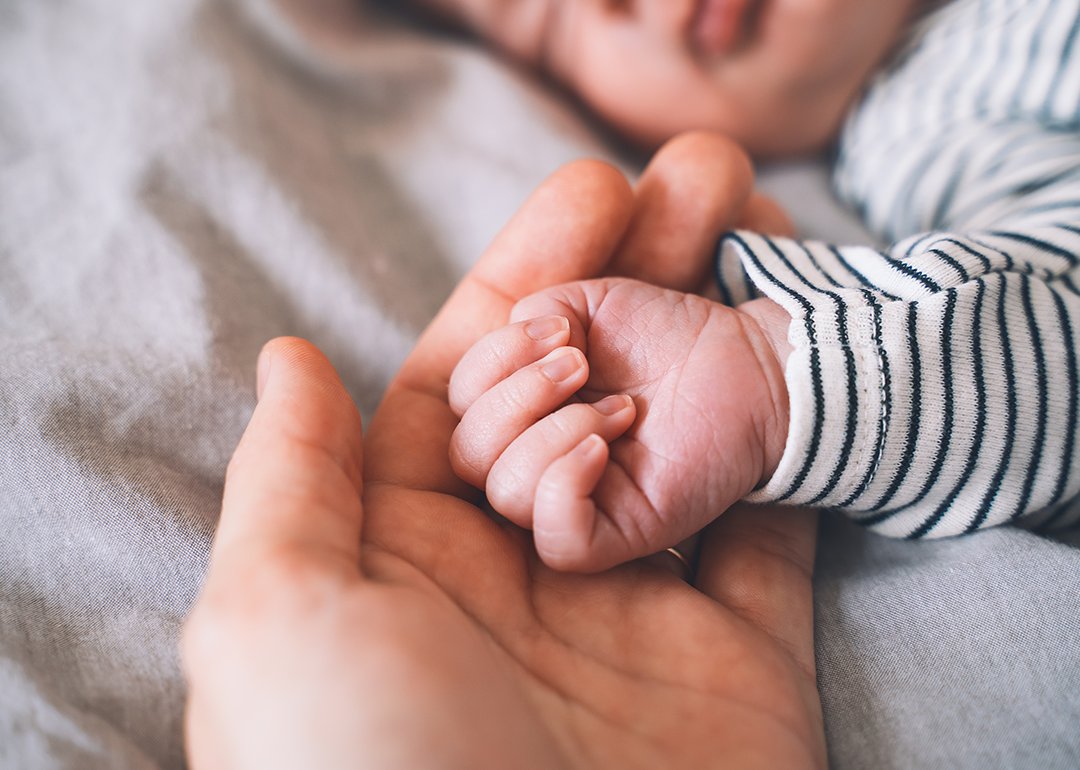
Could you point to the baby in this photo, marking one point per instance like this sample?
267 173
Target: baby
930 389
777 76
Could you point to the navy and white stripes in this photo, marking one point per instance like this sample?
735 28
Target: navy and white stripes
935 387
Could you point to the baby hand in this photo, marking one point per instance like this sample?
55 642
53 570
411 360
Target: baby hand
615 418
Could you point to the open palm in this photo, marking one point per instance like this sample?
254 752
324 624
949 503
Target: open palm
439 639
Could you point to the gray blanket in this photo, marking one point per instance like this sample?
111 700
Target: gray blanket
181 180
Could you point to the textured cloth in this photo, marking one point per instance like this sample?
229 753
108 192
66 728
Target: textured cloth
174 192
935 386
175 189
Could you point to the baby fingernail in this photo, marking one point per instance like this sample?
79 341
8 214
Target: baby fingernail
587 447
612 404
542 328
561 364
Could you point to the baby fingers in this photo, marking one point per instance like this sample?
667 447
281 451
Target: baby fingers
589 515
501 414
501 353
564 514
513 479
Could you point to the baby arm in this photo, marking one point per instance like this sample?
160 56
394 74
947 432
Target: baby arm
614 418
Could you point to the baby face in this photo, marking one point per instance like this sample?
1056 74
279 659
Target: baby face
776 75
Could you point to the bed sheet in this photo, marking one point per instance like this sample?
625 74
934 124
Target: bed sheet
184 179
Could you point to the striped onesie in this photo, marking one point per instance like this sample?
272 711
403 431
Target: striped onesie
934 386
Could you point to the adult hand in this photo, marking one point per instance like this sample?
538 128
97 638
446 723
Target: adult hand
388 622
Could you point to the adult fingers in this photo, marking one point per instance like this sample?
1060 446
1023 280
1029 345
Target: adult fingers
566 230
758 561
294 483
291 511
694 190
764 215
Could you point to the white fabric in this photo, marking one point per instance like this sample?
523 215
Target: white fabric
934 385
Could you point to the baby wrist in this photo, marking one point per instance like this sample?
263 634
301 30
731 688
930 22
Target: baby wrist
769 335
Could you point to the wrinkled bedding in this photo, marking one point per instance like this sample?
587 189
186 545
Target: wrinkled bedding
182 180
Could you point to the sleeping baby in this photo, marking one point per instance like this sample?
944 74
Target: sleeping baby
926 390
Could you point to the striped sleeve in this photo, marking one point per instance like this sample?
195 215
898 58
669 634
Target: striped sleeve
924 404
934 385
